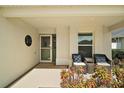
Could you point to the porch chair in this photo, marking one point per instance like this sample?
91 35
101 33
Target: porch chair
102 60
78 59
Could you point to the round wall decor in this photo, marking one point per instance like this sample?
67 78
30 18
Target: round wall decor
28 40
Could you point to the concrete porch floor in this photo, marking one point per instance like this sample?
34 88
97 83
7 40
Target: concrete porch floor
39 78
40 70
42 77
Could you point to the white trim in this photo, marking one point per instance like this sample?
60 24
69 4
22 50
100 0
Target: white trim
50 48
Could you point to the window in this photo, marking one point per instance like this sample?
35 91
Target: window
117 42
85 44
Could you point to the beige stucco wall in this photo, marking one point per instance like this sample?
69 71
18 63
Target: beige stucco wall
15 57
107 39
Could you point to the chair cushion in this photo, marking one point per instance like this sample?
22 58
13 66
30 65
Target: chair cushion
81 63
77 58
103 64
100 59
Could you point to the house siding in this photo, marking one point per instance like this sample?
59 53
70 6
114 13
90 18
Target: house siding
15 57
67 41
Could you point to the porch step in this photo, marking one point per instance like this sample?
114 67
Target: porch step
51 65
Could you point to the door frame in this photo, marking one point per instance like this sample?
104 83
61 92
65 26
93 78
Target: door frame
46 48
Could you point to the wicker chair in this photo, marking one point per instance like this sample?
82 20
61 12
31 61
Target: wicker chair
79 60
102 59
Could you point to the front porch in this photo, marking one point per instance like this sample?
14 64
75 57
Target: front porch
55 78
30 35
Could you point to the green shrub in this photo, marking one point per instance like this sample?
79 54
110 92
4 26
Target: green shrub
115 51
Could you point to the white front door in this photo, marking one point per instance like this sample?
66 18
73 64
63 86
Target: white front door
45 48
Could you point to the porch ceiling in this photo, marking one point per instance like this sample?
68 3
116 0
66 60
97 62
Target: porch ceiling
69 10
118 33
52 16
81 21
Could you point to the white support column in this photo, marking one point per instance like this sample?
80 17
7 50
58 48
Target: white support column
99 45
103 41
62 45
73 42
107 42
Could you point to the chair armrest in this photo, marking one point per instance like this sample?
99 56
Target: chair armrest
85 61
